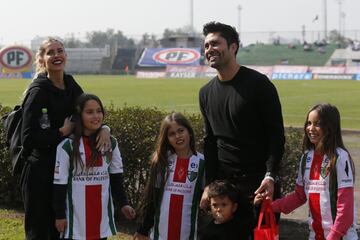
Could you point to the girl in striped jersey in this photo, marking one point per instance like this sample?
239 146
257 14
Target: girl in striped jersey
85 181
170 204
325 178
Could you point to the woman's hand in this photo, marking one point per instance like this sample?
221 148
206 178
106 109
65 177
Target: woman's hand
128 212
67 127
61 225
103 142
138 236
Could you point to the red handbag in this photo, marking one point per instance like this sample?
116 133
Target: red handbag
269 230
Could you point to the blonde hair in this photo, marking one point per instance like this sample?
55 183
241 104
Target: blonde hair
39 67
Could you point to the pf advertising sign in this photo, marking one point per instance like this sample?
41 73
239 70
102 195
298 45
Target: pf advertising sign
159 57
15 58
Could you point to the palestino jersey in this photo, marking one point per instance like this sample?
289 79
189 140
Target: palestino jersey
89 206
177 216
321 191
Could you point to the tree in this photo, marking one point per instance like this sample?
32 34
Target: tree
109 37
335 37
123 41
184 31
98 38
71 42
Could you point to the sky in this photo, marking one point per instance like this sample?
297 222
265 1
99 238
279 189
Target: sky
22 20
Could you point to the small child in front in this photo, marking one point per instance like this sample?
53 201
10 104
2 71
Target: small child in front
229 209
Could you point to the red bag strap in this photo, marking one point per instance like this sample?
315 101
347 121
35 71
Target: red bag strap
267 212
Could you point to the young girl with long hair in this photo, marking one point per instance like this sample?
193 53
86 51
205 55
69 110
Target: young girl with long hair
325 178
173 191
85 180
54 92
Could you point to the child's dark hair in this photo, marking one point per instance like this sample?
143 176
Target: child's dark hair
159 161
228 32
330 124
223 188
79 129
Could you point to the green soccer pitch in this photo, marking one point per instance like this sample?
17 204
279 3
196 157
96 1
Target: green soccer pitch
296 96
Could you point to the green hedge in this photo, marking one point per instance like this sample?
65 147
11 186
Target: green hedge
136 129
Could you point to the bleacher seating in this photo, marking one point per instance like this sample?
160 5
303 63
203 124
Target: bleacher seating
86 60
125 57
348 56
269 55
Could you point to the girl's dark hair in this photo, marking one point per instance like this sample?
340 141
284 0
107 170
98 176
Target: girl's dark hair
228 32
79 130
329 117
159 161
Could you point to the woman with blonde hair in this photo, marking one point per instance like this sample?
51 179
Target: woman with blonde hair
52 93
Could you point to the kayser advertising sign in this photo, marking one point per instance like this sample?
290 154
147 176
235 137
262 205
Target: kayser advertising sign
158 57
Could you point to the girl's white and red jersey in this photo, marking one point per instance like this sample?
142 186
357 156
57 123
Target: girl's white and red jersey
89 206
316 182
177 217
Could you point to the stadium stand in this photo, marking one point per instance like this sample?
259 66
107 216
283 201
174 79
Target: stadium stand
270 55
125 60
347 56
86 60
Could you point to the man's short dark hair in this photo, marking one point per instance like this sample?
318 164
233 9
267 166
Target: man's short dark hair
228 32
223 188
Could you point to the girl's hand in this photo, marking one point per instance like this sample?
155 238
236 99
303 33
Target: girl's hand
103 143
67 127
138 236
128 212
61 225
204 202
258 199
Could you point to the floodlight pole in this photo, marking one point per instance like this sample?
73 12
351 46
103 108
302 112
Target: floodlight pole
192 15
325 19
340 15
239 20
343 15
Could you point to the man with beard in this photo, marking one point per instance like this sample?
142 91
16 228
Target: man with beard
244 133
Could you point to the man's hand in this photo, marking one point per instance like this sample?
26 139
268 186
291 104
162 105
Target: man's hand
204 202
266 188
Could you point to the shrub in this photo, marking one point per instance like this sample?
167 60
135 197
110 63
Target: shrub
136 130
9 185
289 164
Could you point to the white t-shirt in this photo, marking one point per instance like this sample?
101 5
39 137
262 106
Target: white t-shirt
316 183
89 206
177 217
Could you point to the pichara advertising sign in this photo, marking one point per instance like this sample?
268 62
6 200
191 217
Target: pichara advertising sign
15 58
160 57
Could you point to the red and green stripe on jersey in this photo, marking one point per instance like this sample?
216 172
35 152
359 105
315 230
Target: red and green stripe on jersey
314 198
176 218
321 186
93 207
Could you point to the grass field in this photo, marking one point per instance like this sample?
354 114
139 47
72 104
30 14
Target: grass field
12 228
182 94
